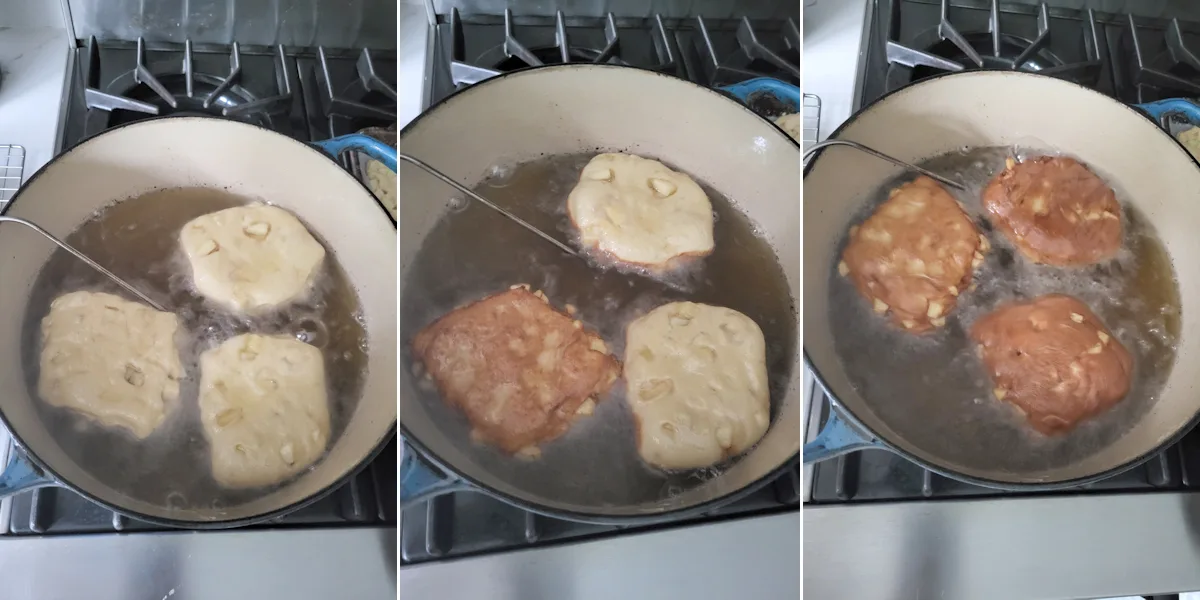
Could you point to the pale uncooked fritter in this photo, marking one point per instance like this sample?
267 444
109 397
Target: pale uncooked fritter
382 182
697 384
639 211
112 360
251 257
791 123
264 408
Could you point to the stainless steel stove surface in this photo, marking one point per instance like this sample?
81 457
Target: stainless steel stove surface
306 95
470 48
1135 59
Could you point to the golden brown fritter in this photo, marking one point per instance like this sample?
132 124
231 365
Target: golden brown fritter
1054 360
518 369
914 255
1055 211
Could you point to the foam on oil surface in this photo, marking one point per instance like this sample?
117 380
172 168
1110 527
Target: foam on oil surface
932 389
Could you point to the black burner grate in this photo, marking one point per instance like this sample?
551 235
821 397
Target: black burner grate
1162 59
753 56
921 39
141 91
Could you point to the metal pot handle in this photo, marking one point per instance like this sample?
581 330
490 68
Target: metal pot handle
783 91
1161 111
21 475
836 438
420 481
361 143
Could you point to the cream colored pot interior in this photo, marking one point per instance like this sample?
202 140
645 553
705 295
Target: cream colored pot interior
575 109
987 108
250 162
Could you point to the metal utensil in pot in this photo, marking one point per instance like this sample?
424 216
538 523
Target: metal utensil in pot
89 262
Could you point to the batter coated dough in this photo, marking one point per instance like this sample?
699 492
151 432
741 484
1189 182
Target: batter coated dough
250 257
639 211
264 408
112 360
791 123
697 384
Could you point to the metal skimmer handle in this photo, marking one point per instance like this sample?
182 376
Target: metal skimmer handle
812 150
458 186
81 256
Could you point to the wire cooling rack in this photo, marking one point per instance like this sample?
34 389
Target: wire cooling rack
12 166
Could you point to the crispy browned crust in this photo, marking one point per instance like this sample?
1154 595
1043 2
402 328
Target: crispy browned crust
1055 211
518 369
1054 360
914 255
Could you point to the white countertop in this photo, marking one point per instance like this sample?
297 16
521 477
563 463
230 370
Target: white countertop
33 80
833 53
413 54
34 64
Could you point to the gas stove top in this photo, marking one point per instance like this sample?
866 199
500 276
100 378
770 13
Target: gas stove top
308 95
1134 59
470 48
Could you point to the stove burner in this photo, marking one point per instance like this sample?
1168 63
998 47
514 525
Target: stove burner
1014 54
952 50
143 93
367 100
198 102
1172 73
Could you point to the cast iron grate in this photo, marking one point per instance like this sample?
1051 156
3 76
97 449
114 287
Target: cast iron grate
1069 46
12 169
